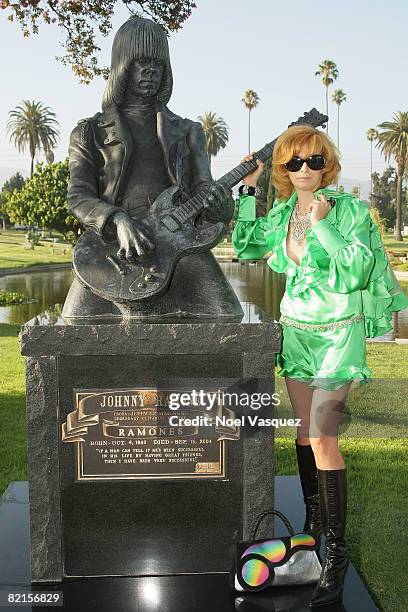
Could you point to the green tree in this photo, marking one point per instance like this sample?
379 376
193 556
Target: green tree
43 201
356 191
338 98
216 133
14 182
250 100
329 73
81 21
267 190
393 142
378 220
33 126
384 195
371 136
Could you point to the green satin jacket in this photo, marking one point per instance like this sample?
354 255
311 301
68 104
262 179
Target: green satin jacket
344 270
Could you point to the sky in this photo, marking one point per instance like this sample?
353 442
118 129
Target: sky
225 48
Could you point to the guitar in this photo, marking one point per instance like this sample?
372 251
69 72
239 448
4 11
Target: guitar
175 233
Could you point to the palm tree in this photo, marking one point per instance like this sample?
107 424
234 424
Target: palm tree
371 135
250 100
338 97
216 133
33 126
393 141
329 73
49 156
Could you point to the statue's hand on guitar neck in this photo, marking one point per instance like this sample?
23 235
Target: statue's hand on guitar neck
218 203
131 239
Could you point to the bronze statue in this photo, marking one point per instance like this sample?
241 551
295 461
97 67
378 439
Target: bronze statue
121 161
141 186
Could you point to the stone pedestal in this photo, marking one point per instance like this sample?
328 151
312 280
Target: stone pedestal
152 524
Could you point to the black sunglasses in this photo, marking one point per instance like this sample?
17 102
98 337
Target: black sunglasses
315 162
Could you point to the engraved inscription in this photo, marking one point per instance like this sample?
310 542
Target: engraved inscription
126 434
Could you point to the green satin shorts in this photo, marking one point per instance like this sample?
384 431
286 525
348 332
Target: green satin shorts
327 357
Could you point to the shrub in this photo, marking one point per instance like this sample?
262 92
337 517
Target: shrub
7 298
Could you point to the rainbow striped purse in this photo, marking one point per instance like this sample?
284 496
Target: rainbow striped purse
289 560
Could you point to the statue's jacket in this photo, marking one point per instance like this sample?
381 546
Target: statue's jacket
100 150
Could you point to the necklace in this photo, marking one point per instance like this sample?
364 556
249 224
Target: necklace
299 223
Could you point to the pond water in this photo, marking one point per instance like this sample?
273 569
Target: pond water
44 289
253 283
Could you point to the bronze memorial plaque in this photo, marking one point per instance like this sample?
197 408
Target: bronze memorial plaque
133 433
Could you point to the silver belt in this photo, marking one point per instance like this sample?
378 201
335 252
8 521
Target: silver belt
321 326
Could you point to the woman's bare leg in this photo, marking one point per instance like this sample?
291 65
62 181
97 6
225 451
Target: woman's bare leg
300 395
325 416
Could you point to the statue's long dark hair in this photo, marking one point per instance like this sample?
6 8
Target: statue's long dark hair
137 38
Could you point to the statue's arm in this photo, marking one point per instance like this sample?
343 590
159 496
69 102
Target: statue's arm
200 165
223 207
83 197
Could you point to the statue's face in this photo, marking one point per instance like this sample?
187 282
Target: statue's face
145 76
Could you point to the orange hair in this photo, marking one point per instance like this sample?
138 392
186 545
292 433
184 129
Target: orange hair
289 144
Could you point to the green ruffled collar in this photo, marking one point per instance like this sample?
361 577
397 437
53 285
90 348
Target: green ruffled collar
299 278
289 204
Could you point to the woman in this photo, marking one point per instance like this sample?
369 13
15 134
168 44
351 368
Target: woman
340 288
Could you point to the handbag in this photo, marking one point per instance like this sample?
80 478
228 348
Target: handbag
288 560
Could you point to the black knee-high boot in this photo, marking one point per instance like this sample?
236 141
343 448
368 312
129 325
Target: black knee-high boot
310 487
333 507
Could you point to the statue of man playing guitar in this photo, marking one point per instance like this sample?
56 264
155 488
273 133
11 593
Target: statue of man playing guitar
122 159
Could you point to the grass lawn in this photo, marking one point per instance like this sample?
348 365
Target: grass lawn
14 255
399 248
12 408
374 444
395 245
